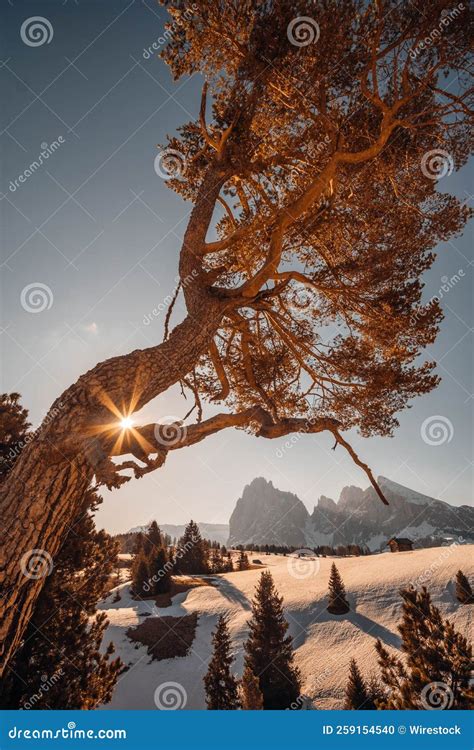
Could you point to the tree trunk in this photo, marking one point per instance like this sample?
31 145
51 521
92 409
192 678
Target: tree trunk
39 497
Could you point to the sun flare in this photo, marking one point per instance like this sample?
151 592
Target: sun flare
126 423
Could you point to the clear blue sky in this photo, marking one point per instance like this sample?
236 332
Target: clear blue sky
98 227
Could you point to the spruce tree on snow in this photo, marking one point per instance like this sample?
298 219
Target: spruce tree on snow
160 571
243 561
220 684
192 555
436 671
358 696
151 569
464 593
141 585
251 698
338 604
269 650
154 535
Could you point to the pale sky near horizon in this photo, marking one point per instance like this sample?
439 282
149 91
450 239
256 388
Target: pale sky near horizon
100 229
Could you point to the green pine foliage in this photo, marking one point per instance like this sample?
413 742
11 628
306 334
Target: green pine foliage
243 561
269 650
338 604
220 685
251 698
358 696
438 660
151 566
192 554
464 593
14 433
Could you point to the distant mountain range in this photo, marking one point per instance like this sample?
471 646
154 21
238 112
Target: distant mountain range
267 515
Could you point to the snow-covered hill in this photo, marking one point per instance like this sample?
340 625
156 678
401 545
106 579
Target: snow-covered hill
324 643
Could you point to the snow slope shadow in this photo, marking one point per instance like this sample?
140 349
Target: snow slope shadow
357 619
375 629
232 593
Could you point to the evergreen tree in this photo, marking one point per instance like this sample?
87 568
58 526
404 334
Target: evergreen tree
376 691
141 585
243 561
14 428
269 650
158 561
151 567
216 561
192 555
357 694
59 665
220 684
251 697
464 593
160 571
436 672
338 604
154 536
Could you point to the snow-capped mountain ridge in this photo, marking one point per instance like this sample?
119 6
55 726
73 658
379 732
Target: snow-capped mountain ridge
266 515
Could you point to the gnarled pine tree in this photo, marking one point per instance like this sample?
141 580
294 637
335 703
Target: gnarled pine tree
314 216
